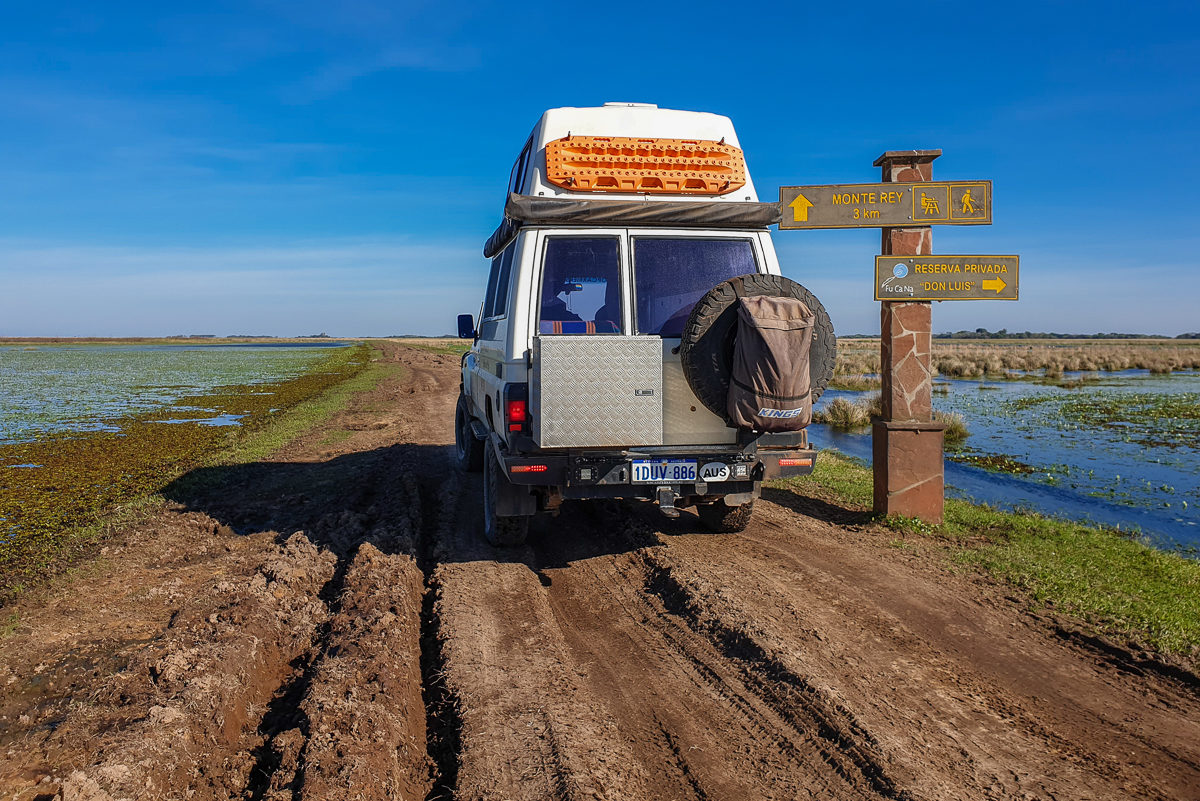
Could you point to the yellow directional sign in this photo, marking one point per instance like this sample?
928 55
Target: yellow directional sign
892 205
946 277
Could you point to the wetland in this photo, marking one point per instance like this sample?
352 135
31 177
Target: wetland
1118 448
85 429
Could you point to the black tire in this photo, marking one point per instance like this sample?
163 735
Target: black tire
503 532
706 351
723 518
468 451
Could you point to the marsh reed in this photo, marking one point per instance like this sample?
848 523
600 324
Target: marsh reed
859 358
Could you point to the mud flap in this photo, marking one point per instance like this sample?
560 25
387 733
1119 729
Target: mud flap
512 500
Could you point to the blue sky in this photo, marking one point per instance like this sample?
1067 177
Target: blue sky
293 167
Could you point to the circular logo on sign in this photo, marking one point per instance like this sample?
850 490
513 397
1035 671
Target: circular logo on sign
714 471
900 270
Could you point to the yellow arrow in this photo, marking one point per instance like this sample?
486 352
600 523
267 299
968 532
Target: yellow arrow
800 207
994 283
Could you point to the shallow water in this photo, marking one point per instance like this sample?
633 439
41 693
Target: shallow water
51 389
1123 451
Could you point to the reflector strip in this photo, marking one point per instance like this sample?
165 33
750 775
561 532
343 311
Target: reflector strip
652 166
528 468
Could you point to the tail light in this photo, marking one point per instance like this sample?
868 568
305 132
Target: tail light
515 414
516 407
795 462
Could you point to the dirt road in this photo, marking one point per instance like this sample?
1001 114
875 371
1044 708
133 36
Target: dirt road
329 624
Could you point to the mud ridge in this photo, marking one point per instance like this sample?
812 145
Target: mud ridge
792 697
443 718
223 659
285 713
1126 661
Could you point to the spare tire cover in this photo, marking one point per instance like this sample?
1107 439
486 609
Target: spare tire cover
706 350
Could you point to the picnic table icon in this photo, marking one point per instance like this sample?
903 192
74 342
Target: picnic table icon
929 205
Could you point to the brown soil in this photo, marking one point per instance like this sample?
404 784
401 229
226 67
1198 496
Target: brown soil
329 624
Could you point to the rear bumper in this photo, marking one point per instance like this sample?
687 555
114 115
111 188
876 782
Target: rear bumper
609 474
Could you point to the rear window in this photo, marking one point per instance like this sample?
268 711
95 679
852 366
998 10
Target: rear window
581 287
670 275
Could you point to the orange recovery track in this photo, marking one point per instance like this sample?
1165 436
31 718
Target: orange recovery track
653 166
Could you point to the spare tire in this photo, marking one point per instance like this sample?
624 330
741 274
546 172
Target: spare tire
706 351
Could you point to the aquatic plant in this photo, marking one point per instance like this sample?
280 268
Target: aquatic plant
855 383
956 431
845 415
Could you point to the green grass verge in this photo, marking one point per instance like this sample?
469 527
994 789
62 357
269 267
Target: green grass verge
1115 584
452 346
53 515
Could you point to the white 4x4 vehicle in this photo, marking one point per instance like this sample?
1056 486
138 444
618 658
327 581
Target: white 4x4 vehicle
605 357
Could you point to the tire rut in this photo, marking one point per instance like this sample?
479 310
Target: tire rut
842 741
443 718
705 681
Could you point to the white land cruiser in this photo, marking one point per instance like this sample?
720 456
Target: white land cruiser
606 356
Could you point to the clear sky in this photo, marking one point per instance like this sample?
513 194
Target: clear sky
294 167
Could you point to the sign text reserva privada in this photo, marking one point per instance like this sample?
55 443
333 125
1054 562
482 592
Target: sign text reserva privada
947 277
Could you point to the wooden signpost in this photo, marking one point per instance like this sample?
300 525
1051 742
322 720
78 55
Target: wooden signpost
906 441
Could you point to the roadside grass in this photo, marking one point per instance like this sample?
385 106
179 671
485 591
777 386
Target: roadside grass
52 516
1109 580
306 415
438 345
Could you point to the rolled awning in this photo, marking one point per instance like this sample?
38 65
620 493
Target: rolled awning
522 210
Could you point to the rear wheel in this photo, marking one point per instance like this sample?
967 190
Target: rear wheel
499 531
723 518
468 450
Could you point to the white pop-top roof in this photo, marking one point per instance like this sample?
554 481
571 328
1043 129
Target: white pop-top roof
627 119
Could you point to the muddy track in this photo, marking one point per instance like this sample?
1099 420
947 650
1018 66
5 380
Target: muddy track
329 624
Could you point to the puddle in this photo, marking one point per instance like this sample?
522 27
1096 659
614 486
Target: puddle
219 420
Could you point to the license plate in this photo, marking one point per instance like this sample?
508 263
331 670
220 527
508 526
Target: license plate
669 471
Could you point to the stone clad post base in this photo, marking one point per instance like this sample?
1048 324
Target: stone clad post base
907 461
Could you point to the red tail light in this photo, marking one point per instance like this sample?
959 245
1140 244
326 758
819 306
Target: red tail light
528 468
795 462
515 414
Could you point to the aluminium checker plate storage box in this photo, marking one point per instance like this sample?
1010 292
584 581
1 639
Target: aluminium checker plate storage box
597 391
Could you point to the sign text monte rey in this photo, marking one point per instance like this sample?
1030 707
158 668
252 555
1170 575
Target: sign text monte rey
886 205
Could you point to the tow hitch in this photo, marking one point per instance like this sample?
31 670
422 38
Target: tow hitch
666 501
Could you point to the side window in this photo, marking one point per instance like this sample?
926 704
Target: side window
671 275
517 176
495 304
489 297
500 299
581 286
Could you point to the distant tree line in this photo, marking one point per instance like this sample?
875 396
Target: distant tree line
1004 333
